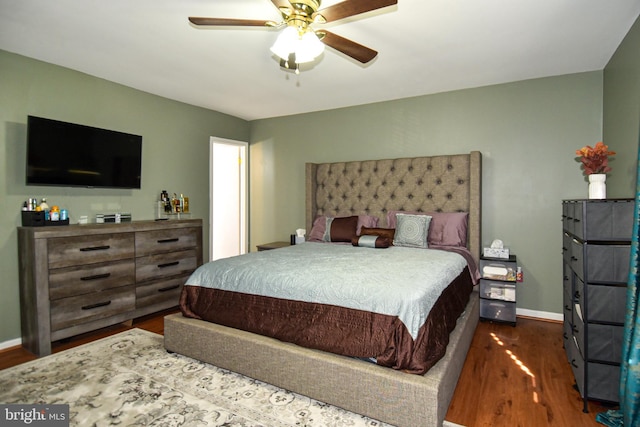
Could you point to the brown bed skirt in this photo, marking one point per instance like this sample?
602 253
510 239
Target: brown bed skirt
334 329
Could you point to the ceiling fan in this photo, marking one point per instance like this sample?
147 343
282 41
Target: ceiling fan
299 42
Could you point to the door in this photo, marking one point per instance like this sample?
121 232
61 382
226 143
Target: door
228 198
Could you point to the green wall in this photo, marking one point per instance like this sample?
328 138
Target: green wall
527 131
175 153
621 112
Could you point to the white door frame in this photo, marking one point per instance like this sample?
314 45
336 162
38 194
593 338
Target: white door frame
243 197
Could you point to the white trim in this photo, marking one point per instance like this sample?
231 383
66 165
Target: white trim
11 343
244 191
545 315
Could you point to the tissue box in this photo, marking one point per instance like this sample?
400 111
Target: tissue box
496 253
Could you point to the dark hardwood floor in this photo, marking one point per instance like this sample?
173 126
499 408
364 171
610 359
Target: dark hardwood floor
513 376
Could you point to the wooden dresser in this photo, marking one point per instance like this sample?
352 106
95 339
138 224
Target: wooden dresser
78 278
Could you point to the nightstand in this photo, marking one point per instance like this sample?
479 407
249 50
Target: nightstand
498 289
272 245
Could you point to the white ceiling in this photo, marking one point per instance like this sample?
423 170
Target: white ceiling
425 46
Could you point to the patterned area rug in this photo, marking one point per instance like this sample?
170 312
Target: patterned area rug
130 380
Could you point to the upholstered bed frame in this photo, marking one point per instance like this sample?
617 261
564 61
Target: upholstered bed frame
439 183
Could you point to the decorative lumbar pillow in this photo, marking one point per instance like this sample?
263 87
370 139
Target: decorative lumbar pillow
382 232
340 229
319 226
411 230
371 241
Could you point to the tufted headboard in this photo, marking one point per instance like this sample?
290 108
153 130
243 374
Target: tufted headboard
374 187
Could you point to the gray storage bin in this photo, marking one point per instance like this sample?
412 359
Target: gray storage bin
605 342
611 220
599 382
567 340
604 302
605 263
496 290
498 310
487 266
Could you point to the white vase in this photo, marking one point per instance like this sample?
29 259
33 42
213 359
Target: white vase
598 186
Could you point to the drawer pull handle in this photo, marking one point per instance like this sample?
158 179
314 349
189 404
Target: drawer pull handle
574 258
168 240
95 248
573 363
168 264
99 304
96 276
565 336
168 288
568 308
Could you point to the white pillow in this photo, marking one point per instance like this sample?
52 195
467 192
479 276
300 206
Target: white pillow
412 230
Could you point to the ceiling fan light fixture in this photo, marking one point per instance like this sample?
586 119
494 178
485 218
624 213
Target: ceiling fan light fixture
285 43
306 47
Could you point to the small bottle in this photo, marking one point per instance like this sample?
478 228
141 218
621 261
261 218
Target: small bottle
519 275
45 207
167 203
181 202
54 213
175 202
185 205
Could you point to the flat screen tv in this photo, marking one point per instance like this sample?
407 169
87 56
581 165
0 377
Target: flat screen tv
73 155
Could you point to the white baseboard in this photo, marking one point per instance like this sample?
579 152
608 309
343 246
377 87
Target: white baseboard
544 315
10 343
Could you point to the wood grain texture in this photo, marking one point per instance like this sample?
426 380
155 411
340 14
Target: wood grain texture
513 376
519 376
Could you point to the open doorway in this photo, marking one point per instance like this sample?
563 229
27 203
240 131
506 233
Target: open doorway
228 198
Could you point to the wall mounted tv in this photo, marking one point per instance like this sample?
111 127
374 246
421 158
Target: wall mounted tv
73 155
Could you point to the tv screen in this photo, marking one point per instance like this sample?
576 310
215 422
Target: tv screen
67 154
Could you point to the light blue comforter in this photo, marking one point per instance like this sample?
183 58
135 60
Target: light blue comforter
398 281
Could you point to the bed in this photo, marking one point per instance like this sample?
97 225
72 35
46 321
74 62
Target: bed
405 396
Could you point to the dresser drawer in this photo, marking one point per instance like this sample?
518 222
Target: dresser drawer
604 343
72 311
605 263
73 281
159 241
567 340
498 310
599 220
566 247
162 266
577 366
497 290
69 251
164 292
605 303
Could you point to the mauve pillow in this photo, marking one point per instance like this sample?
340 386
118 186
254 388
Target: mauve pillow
320 226
382 232
446 228
341 229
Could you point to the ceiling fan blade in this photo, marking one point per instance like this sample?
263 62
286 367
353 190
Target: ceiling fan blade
349 8
281 3
350 48
229 22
